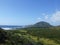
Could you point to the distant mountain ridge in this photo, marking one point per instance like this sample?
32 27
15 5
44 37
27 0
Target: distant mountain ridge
41 24
10 26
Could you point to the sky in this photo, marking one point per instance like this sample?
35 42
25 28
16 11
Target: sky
26 12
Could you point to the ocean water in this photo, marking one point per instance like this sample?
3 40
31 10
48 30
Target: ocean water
7 28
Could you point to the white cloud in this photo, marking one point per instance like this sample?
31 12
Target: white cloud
43 18
39 19
55 17
46 17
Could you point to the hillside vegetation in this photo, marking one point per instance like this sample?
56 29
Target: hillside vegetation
31 36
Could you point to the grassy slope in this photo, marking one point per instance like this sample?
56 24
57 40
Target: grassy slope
37 36
47 36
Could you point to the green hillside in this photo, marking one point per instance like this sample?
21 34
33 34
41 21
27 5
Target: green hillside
30 36
33 35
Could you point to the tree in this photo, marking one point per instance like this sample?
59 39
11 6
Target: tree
3 36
